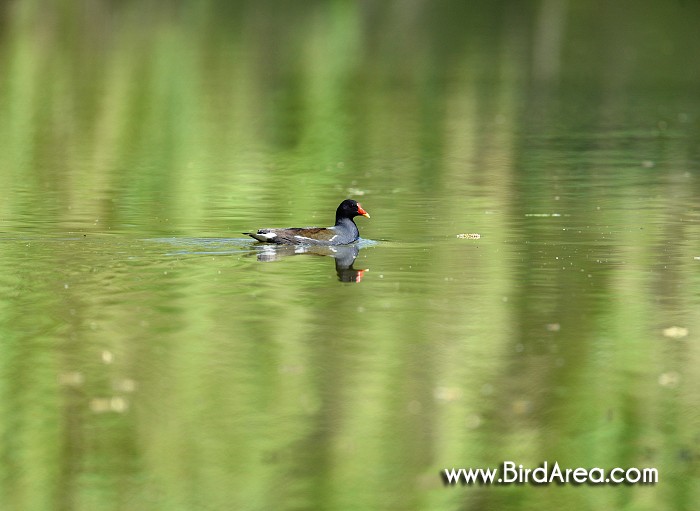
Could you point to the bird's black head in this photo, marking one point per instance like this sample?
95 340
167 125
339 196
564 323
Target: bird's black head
349 209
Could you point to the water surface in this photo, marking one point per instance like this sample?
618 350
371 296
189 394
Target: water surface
154 357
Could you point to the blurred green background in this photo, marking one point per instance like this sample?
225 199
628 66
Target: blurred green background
150 359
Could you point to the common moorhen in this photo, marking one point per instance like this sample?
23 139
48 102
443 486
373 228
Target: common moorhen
343 232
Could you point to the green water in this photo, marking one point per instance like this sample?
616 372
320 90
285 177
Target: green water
153 358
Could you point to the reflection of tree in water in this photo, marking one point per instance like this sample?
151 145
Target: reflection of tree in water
344 257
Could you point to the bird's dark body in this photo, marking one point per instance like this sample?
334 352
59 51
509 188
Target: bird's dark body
343 232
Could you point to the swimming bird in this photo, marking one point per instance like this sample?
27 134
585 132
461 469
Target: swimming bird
342 233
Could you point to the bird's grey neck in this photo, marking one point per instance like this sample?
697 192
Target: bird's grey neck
347 223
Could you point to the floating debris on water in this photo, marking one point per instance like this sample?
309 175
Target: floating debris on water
473 421
447 394
125 385
109 404
670 379
675 332
71 379
469 236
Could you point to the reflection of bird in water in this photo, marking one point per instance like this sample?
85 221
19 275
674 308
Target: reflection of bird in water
344 257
